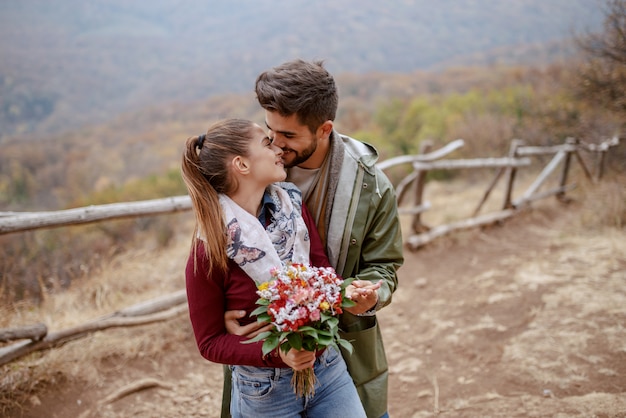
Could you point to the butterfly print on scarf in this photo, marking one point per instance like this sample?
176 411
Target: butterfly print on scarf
238 252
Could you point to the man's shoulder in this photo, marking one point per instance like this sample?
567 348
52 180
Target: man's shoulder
360 147
367 155
361 151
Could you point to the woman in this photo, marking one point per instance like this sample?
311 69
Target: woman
245 225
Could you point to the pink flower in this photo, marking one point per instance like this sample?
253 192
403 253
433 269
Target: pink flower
314 315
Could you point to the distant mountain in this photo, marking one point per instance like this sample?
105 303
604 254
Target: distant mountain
68 63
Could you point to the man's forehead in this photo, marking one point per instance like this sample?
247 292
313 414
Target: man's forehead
283 124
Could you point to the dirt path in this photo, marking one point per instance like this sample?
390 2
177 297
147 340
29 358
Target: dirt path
520 320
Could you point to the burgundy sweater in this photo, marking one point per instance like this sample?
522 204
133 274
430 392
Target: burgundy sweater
210 297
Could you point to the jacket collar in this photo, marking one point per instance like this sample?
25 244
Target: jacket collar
362 152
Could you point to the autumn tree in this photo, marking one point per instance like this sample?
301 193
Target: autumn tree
603 73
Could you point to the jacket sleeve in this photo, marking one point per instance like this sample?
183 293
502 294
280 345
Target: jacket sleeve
377 255
207 300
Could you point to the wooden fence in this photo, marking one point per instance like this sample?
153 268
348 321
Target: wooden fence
507 167
36 337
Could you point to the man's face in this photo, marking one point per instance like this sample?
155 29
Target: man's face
296 140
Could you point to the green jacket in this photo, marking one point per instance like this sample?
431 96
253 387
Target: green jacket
364 241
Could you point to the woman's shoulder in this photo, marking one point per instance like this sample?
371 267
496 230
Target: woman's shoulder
294 193
288 187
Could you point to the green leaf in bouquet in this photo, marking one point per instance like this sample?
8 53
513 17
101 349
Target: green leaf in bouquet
345 344
259 311
310 344
264 318
347 303
309 331
295 339
324 340
285 346
270 343
325 333
258 338
346 282
332 322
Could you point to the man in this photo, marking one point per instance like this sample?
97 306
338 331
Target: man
354 206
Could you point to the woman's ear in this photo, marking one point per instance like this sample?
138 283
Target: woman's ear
240 165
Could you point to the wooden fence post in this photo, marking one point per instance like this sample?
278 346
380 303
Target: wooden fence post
568 156
495 180
417 225
515 143
600 161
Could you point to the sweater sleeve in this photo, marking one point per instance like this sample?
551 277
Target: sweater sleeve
207 298
318 257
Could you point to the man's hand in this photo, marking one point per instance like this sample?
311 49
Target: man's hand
231 321
363 293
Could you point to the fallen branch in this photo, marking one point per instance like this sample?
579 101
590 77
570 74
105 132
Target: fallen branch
55 339
32 332
154 305
142 384
416 241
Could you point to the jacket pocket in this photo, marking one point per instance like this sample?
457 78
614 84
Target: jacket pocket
368 359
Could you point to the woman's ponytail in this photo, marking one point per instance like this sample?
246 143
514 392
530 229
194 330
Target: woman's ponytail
207 210
205 170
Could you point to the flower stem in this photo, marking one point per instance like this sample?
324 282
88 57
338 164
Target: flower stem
303 382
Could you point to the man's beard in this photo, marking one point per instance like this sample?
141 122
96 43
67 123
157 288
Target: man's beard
300 157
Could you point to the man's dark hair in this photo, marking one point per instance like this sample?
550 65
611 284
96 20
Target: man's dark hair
299 87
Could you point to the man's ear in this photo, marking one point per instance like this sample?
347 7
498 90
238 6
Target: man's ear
325 129
240 165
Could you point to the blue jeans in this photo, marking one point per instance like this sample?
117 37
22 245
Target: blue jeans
267 392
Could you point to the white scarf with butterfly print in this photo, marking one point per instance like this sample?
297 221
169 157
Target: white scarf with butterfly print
257 249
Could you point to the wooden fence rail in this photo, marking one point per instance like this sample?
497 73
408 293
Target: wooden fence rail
36 337
18 222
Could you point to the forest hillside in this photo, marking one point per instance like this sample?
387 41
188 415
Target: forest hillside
70 63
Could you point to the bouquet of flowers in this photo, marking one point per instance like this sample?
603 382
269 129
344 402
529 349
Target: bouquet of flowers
302 302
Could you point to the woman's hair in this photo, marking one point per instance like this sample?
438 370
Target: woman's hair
206 172
299 87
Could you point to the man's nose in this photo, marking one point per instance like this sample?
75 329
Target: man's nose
276 140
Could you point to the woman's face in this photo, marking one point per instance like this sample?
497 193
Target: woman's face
265 159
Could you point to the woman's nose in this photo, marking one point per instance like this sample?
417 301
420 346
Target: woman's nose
278 150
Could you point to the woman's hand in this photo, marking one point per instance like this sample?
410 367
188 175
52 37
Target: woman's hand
363 293
298 359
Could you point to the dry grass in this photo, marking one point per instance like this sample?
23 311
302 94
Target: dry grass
127 279
604 205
